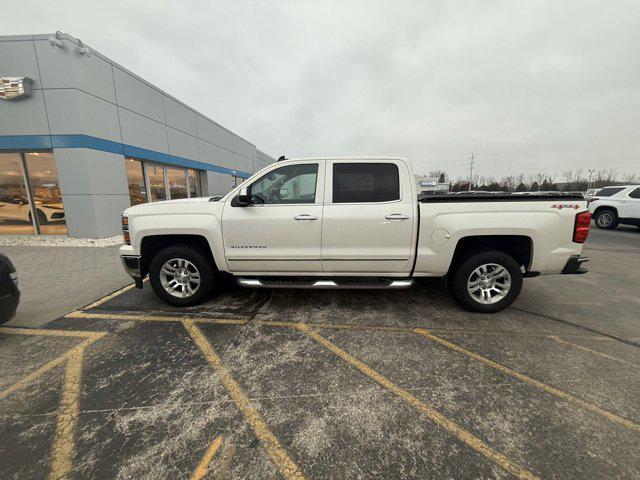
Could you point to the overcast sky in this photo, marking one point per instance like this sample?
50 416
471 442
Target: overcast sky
527 86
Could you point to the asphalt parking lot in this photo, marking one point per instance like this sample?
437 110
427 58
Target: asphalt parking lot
335 384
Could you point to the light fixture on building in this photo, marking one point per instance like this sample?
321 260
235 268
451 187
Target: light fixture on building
56 41
83 49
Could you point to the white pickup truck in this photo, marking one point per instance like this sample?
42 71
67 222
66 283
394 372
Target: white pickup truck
353 223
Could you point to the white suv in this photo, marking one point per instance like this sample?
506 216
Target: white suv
615 205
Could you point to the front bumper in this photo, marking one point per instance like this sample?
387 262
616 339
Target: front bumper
574 265
131 264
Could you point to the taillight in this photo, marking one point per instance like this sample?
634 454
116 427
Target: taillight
581 227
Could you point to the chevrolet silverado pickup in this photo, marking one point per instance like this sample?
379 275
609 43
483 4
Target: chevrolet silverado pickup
353 223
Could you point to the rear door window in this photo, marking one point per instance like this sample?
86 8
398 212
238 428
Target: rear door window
608 191
365 182
635 193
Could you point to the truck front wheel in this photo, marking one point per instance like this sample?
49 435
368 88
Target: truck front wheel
486 282
181 275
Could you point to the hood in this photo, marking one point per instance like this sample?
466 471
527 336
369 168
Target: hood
167 205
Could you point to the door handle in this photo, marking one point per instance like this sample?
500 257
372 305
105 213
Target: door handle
305 217
397 216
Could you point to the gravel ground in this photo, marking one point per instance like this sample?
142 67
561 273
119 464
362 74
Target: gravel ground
57 241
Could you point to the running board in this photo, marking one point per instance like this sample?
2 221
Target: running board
325 284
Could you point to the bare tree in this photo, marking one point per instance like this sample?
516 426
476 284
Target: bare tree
630 177
610 175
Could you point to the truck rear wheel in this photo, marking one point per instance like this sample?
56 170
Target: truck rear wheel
486 282
181 275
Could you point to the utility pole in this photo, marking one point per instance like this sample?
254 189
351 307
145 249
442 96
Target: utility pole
589 183
471 160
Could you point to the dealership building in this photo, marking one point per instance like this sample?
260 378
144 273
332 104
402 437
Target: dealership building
82 139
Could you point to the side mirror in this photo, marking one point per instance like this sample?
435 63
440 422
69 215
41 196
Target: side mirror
243 197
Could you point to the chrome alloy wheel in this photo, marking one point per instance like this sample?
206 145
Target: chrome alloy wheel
605 219
180 278
489 283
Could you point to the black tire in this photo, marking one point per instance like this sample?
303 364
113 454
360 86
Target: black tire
198 259
606 219
466 266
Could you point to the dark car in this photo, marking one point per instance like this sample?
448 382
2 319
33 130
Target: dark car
9 292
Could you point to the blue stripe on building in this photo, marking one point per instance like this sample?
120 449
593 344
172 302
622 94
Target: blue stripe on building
40 142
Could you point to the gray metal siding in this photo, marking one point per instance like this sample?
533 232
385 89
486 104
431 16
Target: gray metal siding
74 94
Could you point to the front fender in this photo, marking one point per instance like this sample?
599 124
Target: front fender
204 225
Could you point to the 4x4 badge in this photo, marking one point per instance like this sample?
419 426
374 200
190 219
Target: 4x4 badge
560 206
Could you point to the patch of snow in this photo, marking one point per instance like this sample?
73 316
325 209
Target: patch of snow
57 241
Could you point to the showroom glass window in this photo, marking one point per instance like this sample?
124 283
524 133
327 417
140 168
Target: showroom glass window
157 185
30 198
287 185
365 182
177 178
15 212
194 183
135 178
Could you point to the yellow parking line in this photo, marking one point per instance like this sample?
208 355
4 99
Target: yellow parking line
48 366
203 466
63 450
51 333
439 419
281 323
562 341
106 298
530 381
154 318
274 449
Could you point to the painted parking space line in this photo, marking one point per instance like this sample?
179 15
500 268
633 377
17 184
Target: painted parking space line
63 450
436 417
153 318
26 380
203 467
63 447
279 323
531 381
47 333
598 353
108 297
270 443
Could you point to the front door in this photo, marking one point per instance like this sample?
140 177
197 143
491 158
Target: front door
280 232
369 217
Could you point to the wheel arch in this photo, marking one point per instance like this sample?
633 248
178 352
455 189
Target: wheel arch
519 247
605 207
152 244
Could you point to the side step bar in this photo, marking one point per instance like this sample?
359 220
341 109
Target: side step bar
324 284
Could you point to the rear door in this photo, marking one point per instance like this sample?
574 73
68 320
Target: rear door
630 206
281 230
369 217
